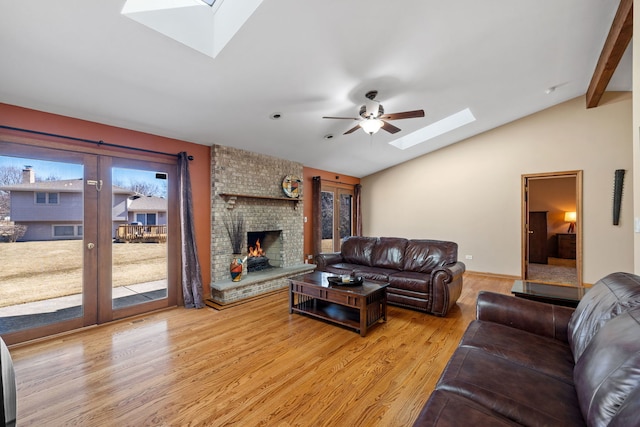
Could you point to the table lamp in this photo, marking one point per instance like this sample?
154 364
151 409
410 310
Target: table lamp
570 217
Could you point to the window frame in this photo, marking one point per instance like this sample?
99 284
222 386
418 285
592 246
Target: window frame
77 231
47 197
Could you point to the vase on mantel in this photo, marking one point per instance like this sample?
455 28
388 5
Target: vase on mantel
236 267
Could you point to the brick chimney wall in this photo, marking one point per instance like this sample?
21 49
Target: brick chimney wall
243 172
28 175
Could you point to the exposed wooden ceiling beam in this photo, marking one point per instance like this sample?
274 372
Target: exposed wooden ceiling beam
614 47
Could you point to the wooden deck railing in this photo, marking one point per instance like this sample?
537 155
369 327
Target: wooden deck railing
141 233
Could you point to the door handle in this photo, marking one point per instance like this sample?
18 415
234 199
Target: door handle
90 246
530 232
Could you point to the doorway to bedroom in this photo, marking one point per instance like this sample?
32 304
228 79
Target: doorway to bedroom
552 227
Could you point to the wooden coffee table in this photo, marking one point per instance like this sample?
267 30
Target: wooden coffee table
355 307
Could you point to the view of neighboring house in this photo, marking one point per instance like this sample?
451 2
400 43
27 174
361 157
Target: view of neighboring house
52 210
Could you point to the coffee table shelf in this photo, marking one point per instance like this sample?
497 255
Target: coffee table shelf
336 313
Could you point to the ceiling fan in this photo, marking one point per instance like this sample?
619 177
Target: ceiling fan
372 117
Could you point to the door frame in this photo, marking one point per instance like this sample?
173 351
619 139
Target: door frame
96 299
525 178
339 190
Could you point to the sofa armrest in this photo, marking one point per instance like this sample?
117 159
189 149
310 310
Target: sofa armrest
532 316
327 258
446 287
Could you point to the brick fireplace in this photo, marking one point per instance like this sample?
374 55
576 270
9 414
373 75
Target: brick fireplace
250 184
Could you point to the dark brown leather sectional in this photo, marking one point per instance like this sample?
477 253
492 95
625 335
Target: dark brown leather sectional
524 362
423 275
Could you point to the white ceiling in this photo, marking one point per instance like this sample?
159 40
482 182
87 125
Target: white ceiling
305 60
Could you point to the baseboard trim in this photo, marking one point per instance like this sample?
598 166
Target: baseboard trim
493 275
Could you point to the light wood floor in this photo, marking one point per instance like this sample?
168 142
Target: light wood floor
250 365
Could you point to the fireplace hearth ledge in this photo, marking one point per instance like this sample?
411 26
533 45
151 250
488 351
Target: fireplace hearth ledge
255 283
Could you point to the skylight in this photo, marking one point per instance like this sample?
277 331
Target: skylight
204 25
438 128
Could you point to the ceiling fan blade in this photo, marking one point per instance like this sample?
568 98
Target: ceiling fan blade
403 115
353 129
344 118
389 127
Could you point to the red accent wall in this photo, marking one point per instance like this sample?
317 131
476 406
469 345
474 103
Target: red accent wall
19 117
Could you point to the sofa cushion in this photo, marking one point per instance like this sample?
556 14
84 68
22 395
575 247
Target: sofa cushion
449 409
609 371
544 354
374 273
358 250
411 281
523 395
389 252
425 255
341 268
609 297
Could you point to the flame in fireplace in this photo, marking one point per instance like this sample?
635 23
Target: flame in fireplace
257 250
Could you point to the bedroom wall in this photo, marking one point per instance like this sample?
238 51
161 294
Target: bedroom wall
470 192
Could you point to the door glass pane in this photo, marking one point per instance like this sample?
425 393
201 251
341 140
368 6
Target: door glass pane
41 248
139 265
346 215
327 221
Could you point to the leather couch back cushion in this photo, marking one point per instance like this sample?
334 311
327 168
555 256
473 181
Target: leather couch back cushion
425 255
607 376
389 253
358 250
611 296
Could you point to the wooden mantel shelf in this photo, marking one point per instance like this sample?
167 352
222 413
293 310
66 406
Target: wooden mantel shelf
230 198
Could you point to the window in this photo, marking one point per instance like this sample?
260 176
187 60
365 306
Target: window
63 231
147 218
43 198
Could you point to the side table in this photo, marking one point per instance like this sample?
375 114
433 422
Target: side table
568 296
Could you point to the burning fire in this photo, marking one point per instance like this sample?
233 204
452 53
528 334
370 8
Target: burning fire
257 251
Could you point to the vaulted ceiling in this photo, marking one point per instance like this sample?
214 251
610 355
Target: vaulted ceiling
501 59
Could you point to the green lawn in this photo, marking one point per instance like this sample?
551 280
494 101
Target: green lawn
35 271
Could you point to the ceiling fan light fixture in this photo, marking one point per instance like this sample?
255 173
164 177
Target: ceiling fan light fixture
371 126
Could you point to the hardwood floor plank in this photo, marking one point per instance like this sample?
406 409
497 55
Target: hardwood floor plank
250 365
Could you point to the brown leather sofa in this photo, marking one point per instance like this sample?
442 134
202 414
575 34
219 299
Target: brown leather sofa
423 275
524 362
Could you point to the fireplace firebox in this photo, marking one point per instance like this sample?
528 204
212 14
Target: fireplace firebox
265 250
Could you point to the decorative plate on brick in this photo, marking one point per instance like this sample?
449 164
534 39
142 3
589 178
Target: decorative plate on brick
291 186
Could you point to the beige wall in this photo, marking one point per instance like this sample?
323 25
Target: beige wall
470 192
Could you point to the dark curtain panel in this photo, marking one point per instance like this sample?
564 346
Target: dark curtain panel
316 220
191 274
356 191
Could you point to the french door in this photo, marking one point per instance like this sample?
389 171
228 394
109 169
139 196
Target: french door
338 210
73 247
